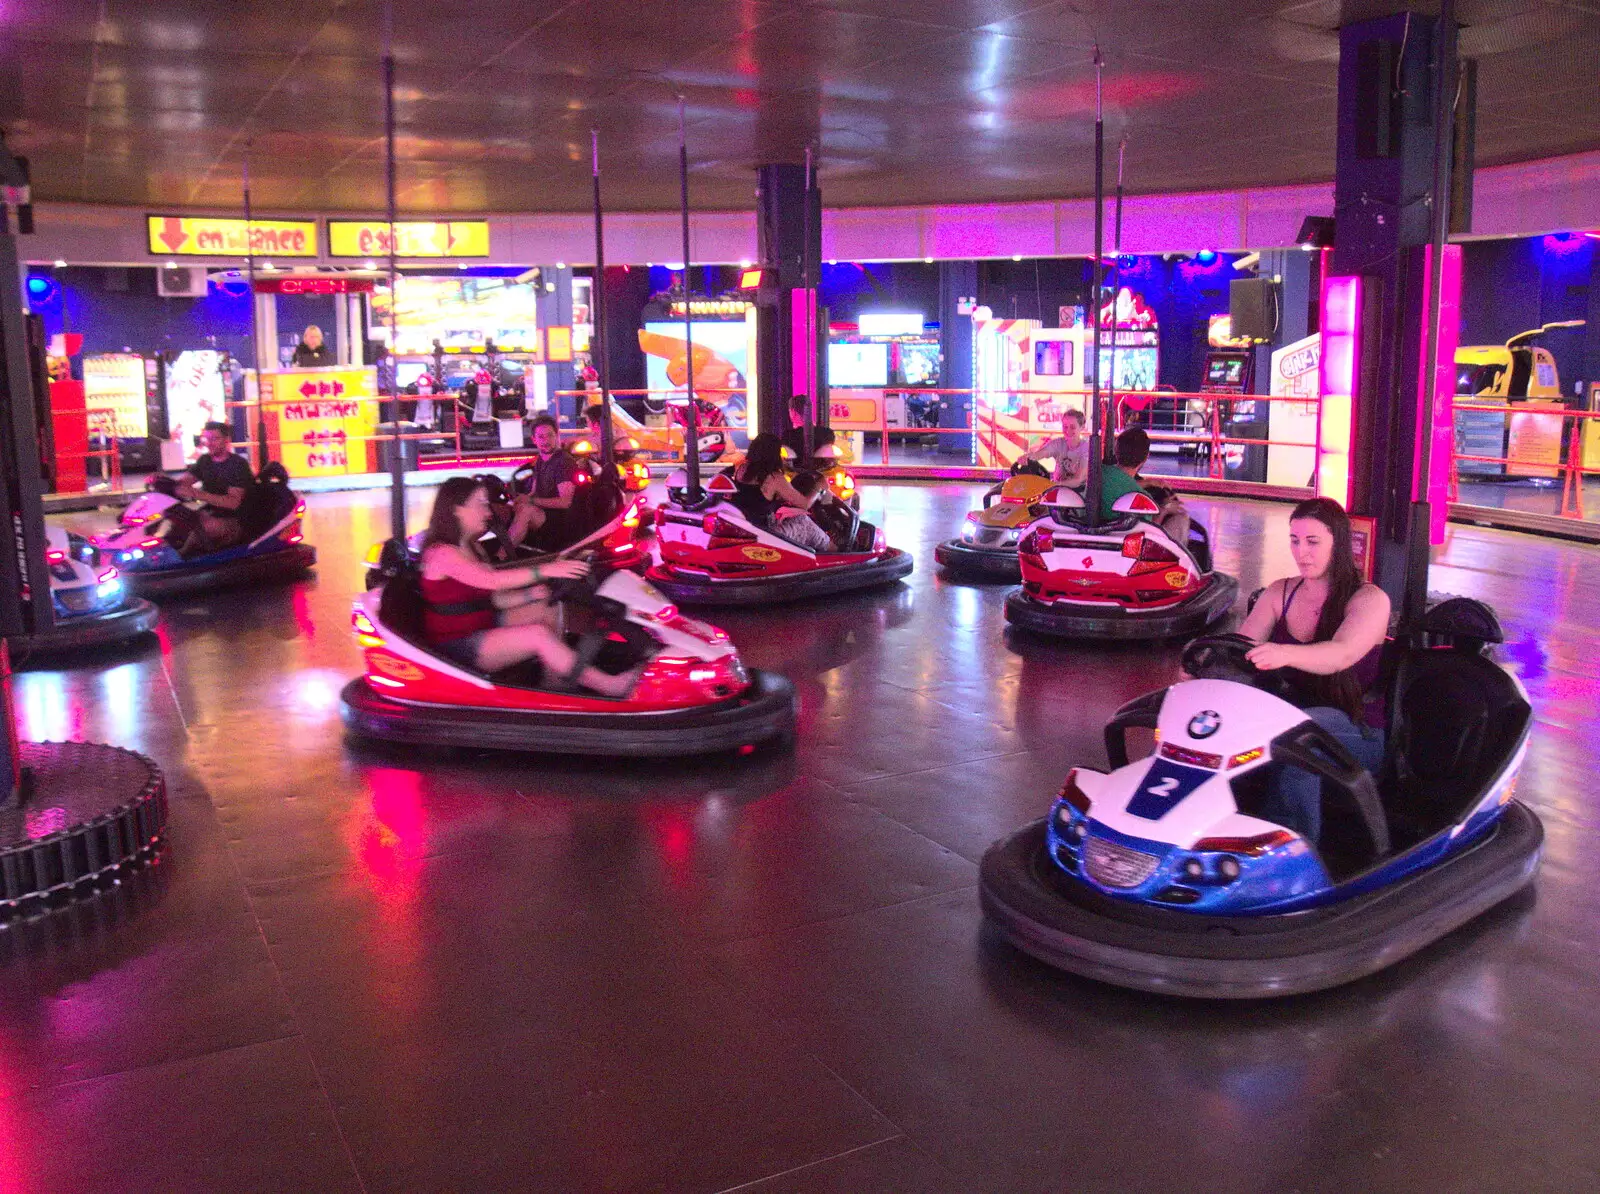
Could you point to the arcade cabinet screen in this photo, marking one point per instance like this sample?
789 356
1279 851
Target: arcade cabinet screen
918 364
1052 358
858 365
463 314
1225 371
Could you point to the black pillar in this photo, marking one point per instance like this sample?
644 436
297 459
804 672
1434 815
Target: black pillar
1387 137
790 243
24 583
958 288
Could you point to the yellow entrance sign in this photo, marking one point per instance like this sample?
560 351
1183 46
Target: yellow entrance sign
197 236
323 419
416 238
851 413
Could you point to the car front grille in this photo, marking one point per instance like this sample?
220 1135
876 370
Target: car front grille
989 536
1117 866
76 600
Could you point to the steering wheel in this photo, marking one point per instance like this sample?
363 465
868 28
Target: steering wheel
579 590
162 483
1226 657
522 479
1030 468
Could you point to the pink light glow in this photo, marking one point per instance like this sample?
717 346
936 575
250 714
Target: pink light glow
1436 419
1340 369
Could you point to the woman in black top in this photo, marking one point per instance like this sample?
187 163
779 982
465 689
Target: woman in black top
763 490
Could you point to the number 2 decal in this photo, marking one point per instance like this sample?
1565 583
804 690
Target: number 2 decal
1165 788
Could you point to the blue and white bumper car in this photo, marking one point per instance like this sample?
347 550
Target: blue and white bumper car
92 606
1164 874
145 545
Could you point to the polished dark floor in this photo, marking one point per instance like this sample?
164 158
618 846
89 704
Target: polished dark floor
377 971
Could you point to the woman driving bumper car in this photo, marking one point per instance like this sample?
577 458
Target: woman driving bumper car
489 618
1323 629
764 494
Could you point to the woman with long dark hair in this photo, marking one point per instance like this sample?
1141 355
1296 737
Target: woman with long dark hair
763 490
493 618
1324 629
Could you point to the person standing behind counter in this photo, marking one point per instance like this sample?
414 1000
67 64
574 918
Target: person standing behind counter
311 352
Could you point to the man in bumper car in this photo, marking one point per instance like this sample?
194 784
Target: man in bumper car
1122 478
541 513
220 480
495 618
765 496
1323 630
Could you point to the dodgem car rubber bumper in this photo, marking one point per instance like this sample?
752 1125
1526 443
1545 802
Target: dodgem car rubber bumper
764 712
1067 924
696 588
986 563
267 567
1082 619
87 631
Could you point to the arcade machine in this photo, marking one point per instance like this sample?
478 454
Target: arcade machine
74 816
1230 370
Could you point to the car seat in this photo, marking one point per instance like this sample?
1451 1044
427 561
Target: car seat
1455 718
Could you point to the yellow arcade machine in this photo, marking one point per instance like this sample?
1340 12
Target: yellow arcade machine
1523 377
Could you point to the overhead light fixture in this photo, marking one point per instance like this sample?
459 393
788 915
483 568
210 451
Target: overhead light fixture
61 262
1316 232
927 261
744 263
751 279
1206 256
561 265
1016 256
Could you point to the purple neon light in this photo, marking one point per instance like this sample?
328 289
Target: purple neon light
1436 420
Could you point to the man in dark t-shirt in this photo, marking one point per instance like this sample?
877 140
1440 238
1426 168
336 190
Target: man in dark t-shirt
541 516
220 480
794 437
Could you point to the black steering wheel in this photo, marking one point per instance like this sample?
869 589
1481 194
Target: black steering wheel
580 590
1031 468
162 483
1226 657
522 479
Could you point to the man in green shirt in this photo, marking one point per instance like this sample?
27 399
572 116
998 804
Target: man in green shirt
1118 480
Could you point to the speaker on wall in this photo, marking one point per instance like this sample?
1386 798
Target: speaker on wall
1253 307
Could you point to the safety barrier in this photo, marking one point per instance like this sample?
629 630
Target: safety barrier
1563 456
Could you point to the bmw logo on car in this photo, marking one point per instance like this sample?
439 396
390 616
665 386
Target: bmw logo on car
1204 724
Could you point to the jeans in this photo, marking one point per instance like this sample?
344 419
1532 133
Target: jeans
1294 796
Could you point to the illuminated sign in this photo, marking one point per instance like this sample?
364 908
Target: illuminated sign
559 340
712 307
889 323
322 419
416 238
316 285
199 236
114 392
1340 368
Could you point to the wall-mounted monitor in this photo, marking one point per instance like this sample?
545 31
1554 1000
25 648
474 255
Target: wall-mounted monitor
858 365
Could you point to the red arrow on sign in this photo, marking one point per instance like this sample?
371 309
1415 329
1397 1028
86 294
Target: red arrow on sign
338 388
309 389
172 234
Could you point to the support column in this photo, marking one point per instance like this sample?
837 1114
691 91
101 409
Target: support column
1383 202
790 244
555 310
958 280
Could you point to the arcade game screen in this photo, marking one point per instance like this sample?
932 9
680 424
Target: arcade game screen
1225 371
463 314
858 364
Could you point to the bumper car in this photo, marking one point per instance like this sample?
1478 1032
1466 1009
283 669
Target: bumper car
1124 579
712 554
987 546
91 603
145 545
693 697
1165 875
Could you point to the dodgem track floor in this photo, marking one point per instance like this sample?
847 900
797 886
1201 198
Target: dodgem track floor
387 969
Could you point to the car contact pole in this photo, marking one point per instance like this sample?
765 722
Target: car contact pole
1419 531
597 298
255 334
692 439
1116 285
397 465
1092 357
